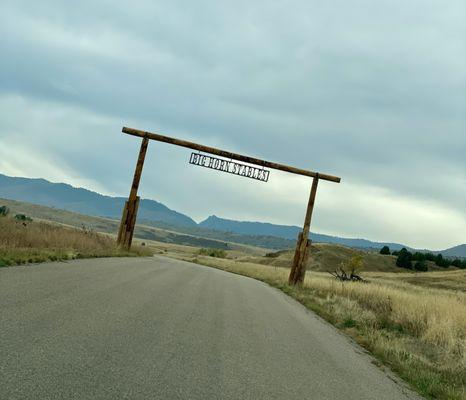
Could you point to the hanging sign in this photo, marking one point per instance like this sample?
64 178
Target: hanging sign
231 167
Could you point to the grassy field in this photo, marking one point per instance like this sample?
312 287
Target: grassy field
451 280
110 226
35 241
413 322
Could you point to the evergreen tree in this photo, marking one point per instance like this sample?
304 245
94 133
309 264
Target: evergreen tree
459 263
442 262
385 250
404 259
417 256
420 266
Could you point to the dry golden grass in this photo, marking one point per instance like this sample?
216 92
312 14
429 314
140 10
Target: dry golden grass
446 279
110 226
23 242
419 331
327 257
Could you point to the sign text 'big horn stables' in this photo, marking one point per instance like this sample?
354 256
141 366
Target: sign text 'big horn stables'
229 166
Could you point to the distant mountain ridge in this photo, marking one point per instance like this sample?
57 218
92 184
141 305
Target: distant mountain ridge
67 197
456 251
84 201
287 232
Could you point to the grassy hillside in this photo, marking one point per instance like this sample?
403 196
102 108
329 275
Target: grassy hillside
110 226
324 256
145 229
264 241
328 257
152 213
36 241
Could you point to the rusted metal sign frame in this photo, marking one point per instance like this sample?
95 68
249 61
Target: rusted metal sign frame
128 221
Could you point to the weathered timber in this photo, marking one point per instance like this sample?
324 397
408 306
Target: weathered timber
300 258
138 170
298 268
132 214
227 154
128 220
122 228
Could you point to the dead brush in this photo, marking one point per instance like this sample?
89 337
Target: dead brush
349 271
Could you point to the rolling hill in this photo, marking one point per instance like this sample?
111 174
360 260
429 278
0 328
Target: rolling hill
456 251
154 213
108 225
324 256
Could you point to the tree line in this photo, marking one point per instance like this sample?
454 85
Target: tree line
418 261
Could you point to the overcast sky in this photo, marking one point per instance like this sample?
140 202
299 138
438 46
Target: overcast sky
372 91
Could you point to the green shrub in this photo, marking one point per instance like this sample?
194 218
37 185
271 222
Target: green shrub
385 250
22 217
404 259
418 256
4 211
218 253
420 266
276 254
442 262
459 263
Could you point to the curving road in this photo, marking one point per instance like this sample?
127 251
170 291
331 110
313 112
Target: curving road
163 329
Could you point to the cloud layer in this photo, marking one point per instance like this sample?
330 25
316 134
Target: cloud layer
371 91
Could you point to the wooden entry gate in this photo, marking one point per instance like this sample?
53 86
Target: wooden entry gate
128 220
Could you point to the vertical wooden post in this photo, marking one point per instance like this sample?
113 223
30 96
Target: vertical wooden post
298 269
128 219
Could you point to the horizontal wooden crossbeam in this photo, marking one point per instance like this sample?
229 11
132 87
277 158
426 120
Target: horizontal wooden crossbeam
227 154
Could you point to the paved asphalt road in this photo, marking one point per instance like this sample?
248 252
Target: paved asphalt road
164 329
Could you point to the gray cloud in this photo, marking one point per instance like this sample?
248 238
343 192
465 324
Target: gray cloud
371 91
